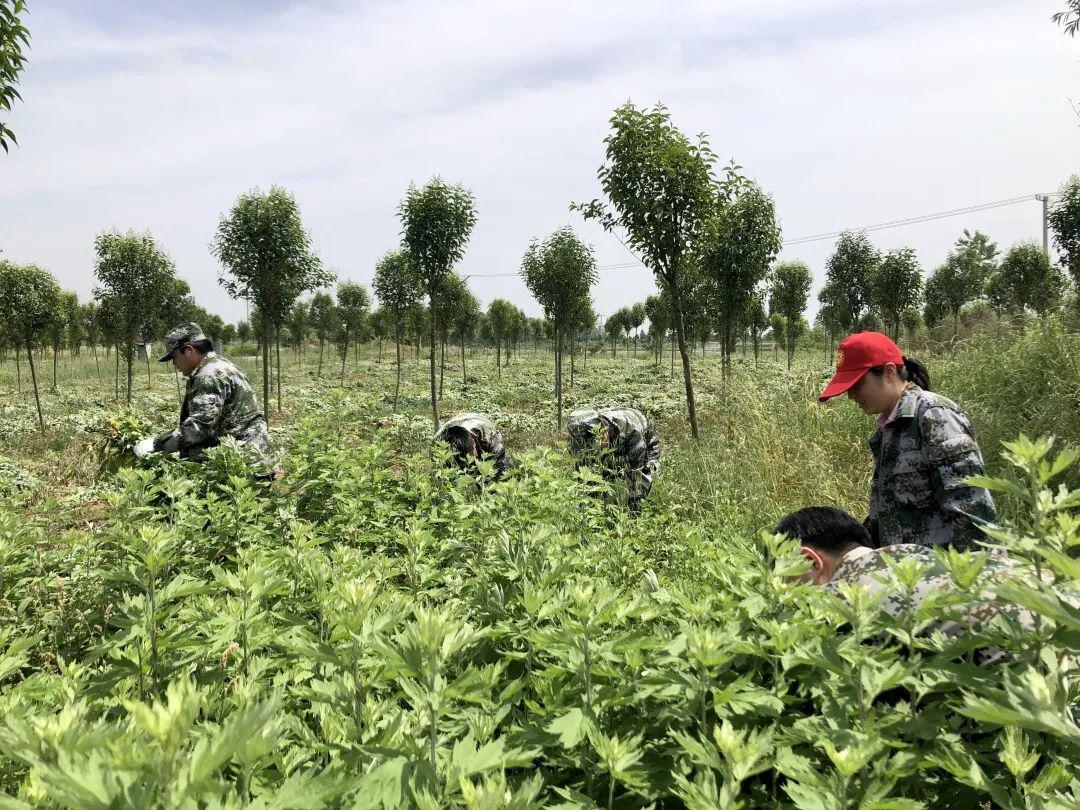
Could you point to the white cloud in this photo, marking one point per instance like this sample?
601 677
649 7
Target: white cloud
848 112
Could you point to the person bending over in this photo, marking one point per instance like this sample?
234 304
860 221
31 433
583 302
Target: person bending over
218 402
623 442
472 436
838 549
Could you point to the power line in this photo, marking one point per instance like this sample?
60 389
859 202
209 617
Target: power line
896 223
803 240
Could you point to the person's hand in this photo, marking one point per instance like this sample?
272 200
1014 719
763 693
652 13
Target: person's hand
144 447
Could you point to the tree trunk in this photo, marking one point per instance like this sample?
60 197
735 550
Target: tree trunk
55 358
149 382
344 357
672 373
265 340
558 375
688 383
116 375
18 371
431 365
322 341
129 356
572 358
277 365
442 362
464 379
397 384
33 378
498 359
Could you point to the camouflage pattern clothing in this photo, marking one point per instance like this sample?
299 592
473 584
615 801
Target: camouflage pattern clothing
634 451
219 402
869 568
921 454
488 438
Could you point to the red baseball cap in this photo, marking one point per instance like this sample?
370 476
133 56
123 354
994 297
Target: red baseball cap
858 354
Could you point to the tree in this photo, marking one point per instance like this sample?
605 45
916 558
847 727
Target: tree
962 278
501 315
778 328
298 325
787 298
321 315
398 288
29 300
935 298
658 311
136 279
453 295
66 312
897 286
267 259
436 220
1070 18
1028 280
743 239
559 272
228 334
757 319
1064 222
465 318
243 331
659 184
353 303
13 39
848 278
614 326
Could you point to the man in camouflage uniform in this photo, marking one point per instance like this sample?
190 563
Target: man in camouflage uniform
625 443
473 436
838 549
924 450
218 402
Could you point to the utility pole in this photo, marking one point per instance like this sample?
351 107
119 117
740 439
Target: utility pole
1045 200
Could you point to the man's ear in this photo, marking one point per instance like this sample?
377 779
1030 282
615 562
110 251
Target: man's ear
820 570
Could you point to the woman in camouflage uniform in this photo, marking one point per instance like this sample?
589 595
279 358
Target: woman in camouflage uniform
924 448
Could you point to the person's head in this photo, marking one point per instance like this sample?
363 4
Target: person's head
825 534
873 371
463 445
186 346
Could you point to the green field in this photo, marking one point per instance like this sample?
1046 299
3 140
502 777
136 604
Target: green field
377 631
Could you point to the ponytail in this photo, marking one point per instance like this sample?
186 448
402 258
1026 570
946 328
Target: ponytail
915 372
910 371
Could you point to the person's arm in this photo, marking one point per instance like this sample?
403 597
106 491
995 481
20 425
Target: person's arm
642 461
953 455
168 442
497 451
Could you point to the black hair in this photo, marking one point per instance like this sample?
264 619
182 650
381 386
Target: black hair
202 346
911 371
460 441
825 528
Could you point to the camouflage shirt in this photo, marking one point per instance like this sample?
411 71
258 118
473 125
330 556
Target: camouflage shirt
635 451
921 456
219 402
488 437
869 568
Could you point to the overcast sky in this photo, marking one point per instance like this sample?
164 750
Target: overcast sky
154 115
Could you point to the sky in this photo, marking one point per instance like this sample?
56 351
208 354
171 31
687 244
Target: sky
156 116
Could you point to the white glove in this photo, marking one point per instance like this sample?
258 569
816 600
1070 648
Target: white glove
144 447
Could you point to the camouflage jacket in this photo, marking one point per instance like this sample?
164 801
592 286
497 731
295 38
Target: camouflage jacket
869 568
488 438
635 451
921 456
219 402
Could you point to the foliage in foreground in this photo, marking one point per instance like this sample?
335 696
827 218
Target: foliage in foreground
379 634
